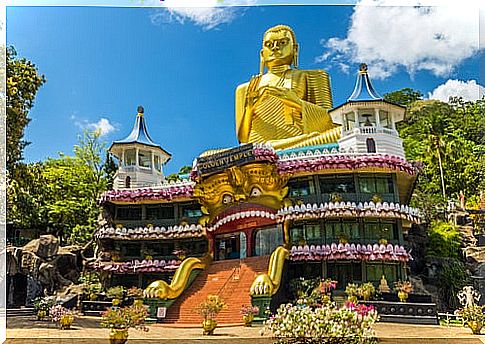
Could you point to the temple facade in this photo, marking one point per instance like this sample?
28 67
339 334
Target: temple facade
333 209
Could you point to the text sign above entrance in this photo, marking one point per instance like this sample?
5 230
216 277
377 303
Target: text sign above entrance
220 161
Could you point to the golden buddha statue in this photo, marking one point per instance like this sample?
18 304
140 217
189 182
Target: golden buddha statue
286 107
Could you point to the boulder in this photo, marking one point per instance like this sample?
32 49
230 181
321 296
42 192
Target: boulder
45 247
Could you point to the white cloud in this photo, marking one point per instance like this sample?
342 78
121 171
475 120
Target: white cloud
387 37
103 125
468 90
205 13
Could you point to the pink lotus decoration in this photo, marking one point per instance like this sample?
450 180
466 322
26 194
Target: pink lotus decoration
188 231
348 209
352 162
165 192
136 266
376 252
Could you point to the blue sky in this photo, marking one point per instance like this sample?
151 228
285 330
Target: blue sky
183 65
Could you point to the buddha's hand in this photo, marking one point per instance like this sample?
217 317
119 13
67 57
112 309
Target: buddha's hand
262 285
287 95
157 289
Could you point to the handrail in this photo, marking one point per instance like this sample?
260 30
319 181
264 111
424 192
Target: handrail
162 290
267 284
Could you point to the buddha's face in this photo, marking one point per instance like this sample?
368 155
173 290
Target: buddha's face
278 48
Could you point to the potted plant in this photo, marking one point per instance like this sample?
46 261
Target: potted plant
352 290
474 317
135 293
209 310
326 287
180 253
403 289
62 315
42 306
367 290
248 313
119 320
116 294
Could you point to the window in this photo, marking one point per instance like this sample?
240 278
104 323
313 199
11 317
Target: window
301 187
371 145
337 230
267 240
376 185
128 182
158 165
131 250
376 230
155 212
128 213
344 273
307 234
375 271
339 184
144 159
191 211
130 157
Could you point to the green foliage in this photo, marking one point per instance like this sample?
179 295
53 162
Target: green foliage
60 195
23 82
452 277
444 240
449 138
405 96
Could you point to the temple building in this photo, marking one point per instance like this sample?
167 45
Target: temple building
326 198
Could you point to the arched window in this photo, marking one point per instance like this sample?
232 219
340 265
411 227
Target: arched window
128 182
371 145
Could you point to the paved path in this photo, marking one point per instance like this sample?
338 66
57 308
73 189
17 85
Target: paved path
86 330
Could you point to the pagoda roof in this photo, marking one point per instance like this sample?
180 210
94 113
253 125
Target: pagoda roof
363 90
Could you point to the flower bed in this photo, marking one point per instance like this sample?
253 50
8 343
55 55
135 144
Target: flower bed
327 324
376 252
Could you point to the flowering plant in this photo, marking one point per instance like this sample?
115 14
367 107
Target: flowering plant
43 304
211 307
249 310
116 292
328 285
352 289
135 292
472 313
126 317
56 312
326 324
366 288
404 286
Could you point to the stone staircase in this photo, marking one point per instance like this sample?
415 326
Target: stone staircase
230 279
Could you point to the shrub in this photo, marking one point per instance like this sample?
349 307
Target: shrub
444 240
126 317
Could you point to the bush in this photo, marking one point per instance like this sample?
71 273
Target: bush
444 240
452 277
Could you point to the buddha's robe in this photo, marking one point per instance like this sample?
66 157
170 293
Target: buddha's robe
263 117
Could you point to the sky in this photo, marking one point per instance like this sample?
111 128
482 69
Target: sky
183 64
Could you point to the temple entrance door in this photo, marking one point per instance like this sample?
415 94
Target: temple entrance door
227 246
345 273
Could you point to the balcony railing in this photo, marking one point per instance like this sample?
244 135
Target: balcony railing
372 130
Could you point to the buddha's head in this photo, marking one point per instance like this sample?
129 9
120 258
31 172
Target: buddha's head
279 47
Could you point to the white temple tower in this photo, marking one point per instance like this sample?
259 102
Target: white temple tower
368 121
140 159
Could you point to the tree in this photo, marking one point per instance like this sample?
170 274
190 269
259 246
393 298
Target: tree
405 96
23 82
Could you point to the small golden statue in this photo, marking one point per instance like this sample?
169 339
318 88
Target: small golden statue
286 107
383 286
